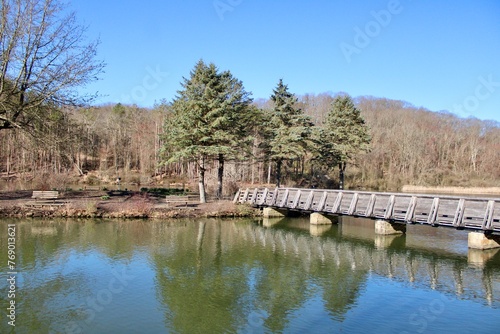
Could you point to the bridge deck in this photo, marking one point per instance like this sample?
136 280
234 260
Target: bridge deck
460 212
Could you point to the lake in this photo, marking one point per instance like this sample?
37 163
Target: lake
243 276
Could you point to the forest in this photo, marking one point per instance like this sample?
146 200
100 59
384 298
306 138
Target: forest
97 144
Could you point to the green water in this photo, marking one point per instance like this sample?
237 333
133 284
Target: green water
244 276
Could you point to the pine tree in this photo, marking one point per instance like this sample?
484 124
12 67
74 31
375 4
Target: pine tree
344 135
211 120
289 129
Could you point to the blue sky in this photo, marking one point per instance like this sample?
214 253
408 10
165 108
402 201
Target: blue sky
440 55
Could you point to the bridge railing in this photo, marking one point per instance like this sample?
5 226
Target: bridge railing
453 211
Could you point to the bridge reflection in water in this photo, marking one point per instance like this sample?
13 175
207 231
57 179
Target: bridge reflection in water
420 260
392 256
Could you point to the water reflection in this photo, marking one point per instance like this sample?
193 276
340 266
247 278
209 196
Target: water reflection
223 276
234 270
426 256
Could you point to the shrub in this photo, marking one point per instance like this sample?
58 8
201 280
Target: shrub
141 207
163 191
92 180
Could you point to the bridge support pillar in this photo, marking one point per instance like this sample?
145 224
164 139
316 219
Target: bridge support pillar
384 241
272 213
478 240
479 257
318 230
268 222
383 227
320 219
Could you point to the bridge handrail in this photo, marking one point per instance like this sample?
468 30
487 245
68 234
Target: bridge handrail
468 197
455 211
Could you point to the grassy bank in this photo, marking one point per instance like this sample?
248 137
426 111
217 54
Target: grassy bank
126 204
452 190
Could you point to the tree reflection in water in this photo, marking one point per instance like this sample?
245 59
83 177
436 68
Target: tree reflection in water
214 276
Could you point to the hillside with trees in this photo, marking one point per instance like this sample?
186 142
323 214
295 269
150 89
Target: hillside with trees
408 145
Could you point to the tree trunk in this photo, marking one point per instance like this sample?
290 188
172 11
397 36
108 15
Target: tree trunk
201 234
8 156
220 176
254 154
269 173
278 173
342 166
201 181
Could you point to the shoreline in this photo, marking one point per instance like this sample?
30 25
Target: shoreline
100 205
50 213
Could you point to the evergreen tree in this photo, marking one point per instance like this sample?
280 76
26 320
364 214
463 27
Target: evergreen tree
289 129
345 134
211 120
324 155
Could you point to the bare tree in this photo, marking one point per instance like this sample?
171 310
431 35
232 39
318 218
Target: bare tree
43 61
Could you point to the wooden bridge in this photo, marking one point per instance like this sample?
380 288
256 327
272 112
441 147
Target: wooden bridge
468 213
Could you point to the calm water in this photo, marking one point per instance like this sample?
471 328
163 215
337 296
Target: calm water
245 276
